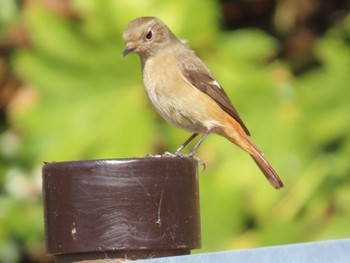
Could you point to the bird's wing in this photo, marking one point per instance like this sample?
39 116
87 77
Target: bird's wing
196 72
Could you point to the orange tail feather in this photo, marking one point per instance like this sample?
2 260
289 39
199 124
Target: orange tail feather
267 169
239 136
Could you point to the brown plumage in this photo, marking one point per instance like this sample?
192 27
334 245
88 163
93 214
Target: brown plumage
184 92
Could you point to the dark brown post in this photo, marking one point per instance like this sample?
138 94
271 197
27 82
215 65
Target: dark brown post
121 208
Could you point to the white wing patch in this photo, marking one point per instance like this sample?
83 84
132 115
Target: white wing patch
215 83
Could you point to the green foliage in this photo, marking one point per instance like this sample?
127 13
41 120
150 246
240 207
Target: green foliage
85 102
8 14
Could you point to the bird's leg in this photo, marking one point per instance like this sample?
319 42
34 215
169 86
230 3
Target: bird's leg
192 153
178 151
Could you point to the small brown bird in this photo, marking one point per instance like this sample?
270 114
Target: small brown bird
184 91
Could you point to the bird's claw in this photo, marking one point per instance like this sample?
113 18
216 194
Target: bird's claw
180 155
199 160
167 154
170 154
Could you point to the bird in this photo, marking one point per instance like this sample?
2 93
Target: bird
185 93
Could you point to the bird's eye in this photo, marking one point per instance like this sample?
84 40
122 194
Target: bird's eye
149 35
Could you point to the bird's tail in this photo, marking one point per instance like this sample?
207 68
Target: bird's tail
266 168
234 132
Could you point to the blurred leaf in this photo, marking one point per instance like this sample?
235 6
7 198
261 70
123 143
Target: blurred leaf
81 100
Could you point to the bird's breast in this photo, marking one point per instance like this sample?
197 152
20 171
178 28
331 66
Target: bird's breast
165 88
160 75
176 100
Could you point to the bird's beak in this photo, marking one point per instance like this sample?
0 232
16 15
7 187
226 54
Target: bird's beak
127 50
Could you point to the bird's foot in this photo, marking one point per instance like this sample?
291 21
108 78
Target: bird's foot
175 154
180 155
167 154
191 155
199 160
152 155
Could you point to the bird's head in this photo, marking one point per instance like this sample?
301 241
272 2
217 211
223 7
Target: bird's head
145 36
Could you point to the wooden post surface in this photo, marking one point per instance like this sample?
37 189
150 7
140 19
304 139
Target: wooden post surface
121 208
